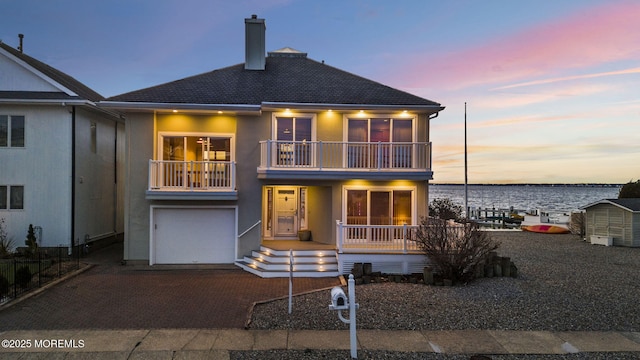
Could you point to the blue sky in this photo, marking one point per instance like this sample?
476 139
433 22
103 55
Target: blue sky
552 87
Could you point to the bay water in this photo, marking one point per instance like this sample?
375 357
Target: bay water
554 199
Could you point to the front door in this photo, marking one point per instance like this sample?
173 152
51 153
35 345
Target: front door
286 210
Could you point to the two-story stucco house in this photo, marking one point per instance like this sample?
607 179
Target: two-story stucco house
61 156
230 165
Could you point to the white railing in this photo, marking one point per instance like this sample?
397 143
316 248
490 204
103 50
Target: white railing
319 155
167 175
375 238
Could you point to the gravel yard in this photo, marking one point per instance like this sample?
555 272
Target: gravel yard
564 284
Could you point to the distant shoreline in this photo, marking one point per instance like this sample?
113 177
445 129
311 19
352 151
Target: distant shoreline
532 184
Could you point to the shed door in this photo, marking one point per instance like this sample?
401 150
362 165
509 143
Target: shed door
193 236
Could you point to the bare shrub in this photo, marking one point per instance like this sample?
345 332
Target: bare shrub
445 209
6 243
578 224
455 249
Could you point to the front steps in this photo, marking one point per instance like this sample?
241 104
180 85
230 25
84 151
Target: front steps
270 263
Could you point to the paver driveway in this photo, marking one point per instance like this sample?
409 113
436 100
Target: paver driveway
113 296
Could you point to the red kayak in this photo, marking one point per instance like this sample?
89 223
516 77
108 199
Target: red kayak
545 229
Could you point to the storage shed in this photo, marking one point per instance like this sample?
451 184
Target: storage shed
614 222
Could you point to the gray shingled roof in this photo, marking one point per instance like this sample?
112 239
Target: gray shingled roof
83 91
286 79
632 204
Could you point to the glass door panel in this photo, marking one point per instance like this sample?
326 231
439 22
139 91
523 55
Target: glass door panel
284 137
380 134
357 213
358 153
402 153
302 134
402 207
380 215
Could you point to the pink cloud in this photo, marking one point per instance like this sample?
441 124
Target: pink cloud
591 37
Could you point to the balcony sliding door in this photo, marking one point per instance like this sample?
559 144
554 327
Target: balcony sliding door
292 133
195 161
379 143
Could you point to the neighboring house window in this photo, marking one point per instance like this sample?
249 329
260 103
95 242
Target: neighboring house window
380 142
94 138
11 131
292 134
379 206
12 197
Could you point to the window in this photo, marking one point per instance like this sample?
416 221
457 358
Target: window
379 207
13 196
196 159
11 131
380 143
196 148
292 134
94 138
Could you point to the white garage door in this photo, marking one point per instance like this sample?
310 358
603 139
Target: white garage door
193 236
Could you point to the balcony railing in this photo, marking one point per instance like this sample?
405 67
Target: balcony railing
376 238
205 176
353 156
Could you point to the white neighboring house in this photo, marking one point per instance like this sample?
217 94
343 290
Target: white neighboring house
61 157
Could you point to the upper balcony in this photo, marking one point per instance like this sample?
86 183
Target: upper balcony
197 180
344 160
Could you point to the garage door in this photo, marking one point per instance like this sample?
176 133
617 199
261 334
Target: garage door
193 236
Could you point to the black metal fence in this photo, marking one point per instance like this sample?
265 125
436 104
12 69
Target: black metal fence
25 272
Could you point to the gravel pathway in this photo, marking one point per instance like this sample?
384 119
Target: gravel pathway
564 284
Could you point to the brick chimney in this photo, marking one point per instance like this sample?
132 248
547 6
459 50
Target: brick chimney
254 43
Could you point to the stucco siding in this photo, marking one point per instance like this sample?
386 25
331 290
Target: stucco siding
321 223
97 197
250 131
139 149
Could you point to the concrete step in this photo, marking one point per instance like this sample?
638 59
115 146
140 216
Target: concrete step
282 274
298 259
306 263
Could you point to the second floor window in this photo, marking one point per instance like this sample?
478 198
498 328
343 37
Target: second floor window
380 143
11 131
196 148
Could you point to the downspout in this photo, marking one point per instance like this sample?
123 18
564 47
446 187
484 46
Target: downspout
429 118
73 177
115 180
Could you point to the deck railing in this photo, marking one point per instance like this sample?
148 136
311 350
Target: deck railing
398 239
333 155
375 238
171 175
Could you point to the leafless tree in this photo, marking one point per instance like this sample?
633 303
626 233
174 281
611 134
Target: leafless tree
454 249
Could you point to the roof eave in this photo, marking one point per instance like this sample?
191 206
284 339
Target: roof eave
153 106
607 201
47 102
275 106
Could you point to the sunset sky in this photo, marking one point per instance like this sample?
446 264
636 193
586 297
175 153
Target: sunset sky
552 87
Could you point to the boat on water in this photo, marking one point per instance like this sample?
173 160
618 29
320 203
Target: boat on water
542 223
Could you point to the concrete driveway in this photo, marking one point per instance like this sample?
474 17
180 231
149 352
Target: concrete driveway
113 296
